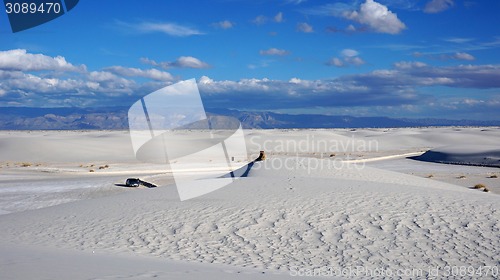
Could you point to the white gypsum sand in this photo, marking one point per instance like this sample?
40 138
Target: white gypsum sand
292 213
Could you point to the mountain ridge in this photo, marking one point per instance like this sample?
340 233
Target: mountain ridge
28 118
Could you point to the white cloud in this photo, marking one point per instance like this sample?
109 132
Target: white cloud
33 83
304 27
294 93
402 85
447 56
349 52
355 60
377 17
205 80
82 89
190 62
259 20
349 57
463 56
351 28
336 62
154 74
181 62
412 74
171 29
457 40
278 17
21 60
409 65
40 80
274 51
225 24
102 76
436 6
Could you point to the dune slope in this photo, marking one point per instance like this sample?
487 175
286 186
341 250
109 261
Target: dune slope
279 218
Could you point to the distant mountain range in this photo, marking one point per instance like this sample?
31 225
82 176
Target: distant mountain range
23 118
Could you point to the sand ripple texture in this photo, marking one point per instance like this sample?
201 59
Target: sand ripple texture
279 217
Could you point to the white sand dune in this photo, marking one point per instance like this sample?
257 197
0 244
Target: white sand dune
66 146
40 263
291 213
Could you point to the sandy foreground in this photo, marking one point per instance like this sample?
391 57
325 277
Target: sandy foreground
327 203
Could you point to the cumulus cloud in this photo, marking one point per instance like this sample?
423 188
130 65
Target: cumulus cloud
436 6
402 85
416 74
103 76
181 62
294 93
154 74
304 27
33 83
84 89
225 24
348 57
377 17
274 51
21 60
59 82
39 80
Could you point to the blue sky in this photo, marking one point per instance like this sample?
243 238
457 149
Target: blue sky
398 58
